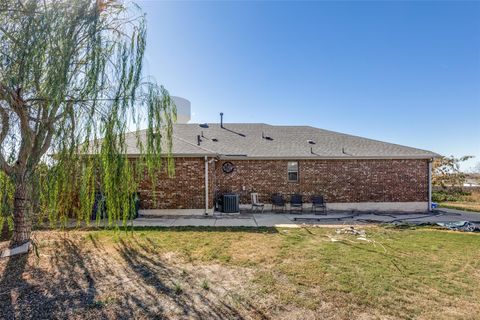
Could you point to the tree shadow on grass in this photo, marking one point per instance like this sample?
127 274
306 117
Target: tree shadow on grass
83 278
169 285
268 230
129 227
27 292
179 291
12 276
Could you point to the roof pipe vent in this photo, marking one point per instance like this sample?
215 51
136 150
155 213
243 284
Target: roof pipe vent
199 139
345 152
221 120
266 137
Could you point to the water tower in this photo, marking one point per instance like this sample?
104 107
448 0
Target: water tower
183 109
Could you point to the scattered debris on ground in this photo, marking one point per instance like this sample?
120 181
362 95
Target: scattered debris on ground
466 226
345 235
7 252
351 230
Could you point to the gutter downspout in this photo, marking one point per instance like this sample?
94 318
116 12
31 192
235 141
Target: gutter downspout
206 185
430 185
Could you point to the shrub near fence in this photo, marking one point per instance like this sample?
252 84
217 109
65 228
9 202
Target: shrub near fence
442 194
455 188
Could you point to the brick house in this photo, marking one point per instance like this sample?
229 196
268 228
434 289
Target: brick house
353 173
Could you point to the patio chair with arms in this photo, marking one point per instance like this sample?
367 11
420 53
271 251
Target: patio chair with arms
296 202
319 202
255 203
278 202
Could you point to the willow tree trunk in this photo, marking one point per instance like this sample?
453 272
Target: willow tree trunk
22 227
5 231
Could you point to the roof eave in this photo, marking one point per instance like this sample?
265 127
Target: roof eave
416 157
178 155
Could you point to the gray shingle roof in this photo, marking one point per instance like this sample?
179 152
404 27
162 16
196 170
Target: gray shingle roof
287 142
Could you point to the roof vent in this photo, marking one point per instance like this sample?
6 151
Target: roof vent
345 152
266 137
311 141
204 125
235 155
215 140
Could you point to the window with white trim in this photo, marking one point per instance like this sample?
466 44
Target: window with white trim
292 171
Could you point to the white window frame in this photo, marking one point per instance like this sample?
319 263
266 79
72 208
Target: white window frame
293 171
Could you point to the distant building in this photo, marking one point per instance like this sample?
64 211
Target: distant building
472 180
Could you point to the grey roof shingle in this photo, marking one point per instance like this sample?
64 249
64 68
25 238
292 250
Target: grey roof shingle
245 140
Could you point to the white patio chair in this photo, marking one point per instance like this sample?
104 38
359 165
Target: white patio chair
255 203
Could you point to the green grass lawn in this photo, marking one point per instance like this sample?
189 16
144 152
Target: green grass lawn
461 205
256 273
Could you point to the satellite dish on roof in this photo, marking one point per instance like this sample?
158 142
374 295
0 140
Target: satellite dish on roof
183 109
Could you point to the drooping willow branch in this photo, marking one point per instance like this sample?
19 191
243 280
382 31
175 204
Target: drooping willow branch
71 86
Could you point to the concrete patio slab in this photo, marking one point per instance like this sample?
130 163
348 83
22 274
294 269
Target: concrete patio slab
456 214
446 218
272 220
375 217
287 220
324 217
153 222
250 222
197 222
173 212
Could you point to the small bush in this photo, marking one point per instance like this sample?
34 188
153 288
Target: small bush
452 194
97 304
177 289
205 285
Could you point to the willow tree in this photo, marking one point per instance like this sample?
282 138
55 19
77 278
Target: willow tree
71 85
447 172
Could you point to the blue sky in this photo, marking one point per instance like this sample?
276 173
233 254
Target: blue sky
403 72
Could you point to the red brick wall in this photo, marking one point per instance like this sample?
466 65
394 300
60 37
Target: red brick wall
338 180
185 190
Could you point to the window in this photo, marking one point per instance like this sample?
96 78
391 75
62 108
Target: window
292 171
